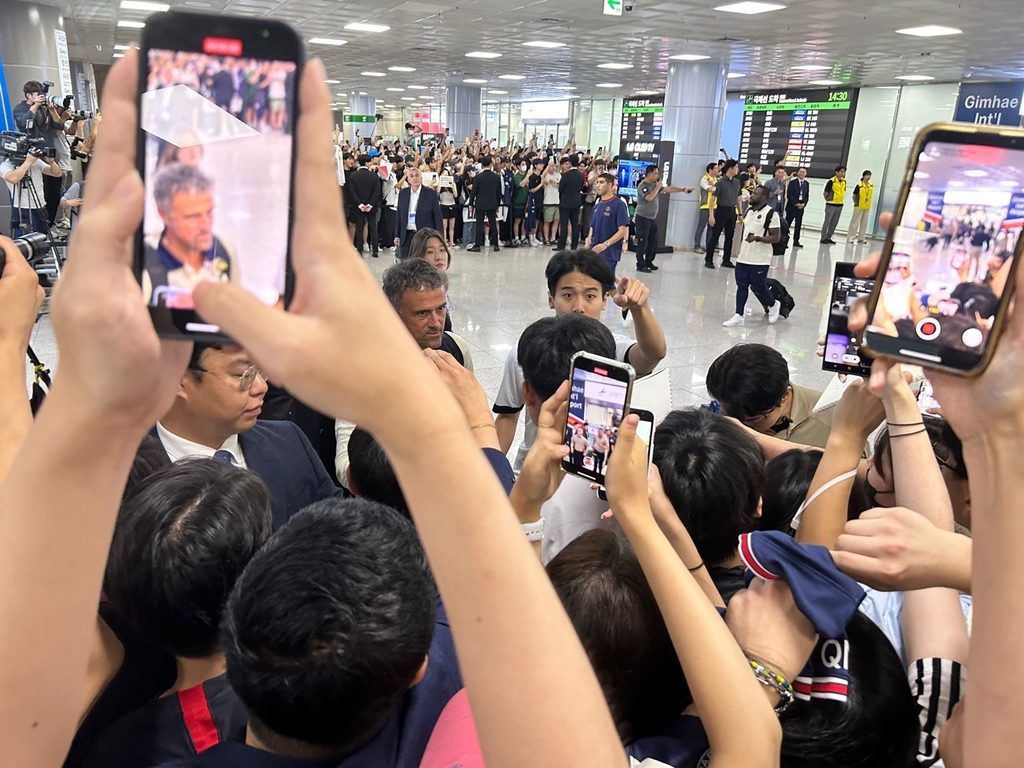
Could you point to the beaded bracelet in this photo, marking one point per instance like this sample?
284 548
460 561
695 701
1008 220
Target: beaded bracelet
776 682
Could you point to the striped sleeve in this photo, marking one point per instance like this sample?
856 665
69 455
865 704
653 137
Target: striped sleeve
937 685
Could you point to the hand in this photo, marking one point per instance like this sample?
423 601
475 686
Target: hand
631 294
751 237
20 299
898 550
858 412
626 476
30 160
711 220
800 205
464 385
599 248
111 360
542 473
769 627
398 241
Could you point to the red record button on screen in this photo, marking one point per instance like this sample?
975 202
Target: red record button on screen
928 329
222 46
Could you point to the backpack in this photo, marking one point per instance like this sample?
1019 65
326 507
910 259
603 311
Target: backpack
779 248
786 301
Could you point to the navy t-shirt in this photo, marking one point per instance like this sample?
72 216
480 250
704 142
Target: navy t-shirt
683 744
605 221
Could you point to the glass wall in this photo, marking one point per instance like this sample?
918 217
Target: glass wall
594 123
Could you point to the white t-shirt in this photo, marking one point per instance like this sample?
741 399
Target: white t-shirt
22 197
551 189
510 394
757 253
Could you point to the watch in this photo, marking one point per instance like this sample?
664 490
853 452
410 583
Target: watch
534 531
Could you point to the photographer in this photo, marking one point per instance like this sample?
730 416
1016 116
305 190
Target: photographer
35 116
24 177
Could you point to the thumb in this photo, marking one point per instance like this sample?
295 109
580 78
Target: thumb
627 433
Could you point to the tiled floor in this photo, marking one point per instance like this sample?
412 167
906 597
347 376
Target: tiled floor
496 295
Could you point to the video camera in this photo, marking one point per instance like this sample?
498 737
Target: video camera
17 146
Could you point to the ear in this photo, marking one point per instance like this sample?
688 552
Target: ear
760 508
421 673
348 481
788 396
530 396
187 383
551 301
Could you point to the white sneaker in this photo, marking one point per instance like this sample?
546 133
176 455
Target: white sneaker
734 321
773 312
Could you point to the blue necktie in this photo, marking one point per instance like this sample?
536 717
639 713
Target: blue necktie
225 456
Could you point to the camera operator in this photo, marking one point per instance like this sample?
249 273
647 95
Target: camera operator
35 116
24 177
65 127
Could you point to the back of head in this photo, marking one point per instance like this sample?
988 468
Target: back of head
603 589
485 161
748 380
149 458
371 474
713 473
411 275
547 346
585 261
876 727
789 477
181 541
363 160
729 165
328 627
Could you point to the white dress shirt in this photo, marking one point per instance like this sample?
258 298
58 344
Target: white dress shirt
414 201
179 448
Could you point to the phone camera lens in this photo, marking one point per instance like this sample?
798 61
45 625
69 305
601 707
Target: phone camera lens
266 33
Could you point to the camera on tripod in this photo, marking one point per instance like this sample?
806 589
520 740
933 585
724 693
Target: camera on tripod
17 146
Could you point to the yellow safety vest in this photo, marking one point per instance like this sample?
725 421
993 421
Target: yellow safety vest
865 191
705 194
838 191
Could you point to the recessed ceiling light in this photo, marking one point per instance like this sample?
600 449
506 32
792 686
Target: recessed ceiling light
408 98
609 85
615 65
417 87
511 77
139 5
483 55
689 57
197 4
976 174
956 184
825 82
374 74
122 47
363 93
915 78
474 80
811 68
647 93
389 106
929 30
118 56
734 75
402 69
565 87
329 82
1009 183
364 26
131 24
749 8
395 90
921 175
544 44
492 90
326 41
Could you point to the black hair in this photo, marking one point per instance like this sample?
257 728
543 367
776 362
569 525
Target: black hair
329 625
32 86
748 380
363 159
755 166
713 473
877 726
650 169
840 168
585 261
198 348
150 457
610 603
371 473
974 298
866 173
418 244
181 541
610 178
547 346
485 160
730 163
789 478
710 166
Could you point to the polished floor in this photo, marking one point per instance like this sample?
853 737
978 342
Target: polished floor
496 295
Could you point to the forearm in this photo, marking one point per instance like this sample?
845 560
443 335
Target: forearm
15 412
825 518
650 340
684 547
933 625
505 424
52 557
717 672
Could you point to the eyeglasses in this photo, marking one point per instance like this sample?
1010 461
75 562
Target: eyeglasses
245 380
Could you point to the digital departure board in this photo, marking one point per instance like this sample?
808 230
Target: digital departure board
809 128
642 118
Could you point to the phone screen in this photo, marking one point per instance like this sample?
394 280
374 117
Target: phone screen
952 254
217 141
598 399
842 348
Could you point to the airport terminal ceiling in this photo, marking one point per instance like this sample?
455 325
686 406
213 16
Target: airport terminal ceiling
853 42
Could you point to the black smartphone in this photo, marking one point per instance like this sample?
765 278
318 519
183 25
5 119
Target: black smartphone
216 148
842 348
946 276
599 395
645 431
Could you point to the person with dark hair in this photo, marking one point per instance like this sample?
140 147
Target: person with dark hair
570 201
797 196
789 479
707 185
726 200
486 197
714 474
180 543
609 223
369 473
365 189
835 192
215 415
751 383
763 225
648 203
149 458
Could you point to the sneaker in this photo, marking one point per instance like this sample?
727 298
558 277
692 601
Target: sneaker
699 249
653 267
496 249
473 249
733 321
728 265
773 312
645 269
708 265
798 245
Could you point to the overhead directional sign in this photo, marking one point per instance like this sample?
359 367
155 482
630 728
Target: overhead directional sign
612 7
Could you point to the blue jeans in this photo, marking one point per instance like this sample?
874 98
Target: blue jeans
752 277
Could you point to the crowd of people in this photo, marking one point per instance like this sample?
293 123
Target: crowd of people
184 583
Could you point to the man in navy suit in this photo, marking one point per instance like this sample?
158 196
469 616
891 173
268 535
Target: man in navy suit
219 398
418 208
797 196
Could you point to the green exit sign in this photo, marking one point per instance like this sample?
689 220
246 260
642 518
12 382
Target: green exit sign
359 119
612 7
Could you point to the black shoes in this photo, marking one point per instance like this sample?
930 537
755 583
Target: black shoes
474 249
652 267
643 269
728 265
709 265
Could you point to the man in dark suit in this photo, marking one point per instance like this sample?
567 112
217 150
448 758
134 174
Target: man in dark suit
570 200
486 197
797 195
424 213
365 190
219 398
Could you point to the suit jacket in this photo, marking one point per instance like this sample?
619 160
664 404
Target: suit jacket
486 194
797 192
365 188
282 457
428 211
570 189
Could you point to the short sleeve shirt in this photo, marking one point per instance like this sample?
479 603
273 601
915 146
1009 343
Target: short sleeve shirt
22 197
648 209
726 191
605 221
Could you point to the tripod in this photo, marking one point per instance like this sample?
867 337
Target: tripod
48 273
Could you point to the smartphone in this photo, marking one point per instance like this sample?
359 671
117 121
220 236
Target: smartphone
966 181
645 431
216 150
926 402
599 395
842 348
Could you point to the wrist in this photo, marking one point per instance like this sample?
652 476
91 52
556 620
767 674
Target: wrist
527 510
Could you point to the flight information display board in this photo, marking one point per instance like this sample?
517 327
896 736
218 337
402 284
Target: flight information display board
809 128
642 118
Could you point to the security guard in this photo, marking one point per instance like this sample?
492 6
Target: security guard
707 185
862 195
835 192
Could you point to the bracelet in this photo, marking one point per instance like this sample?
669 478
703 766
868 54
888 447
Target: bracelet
776 682
484 425
908 424
908 434
696 567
